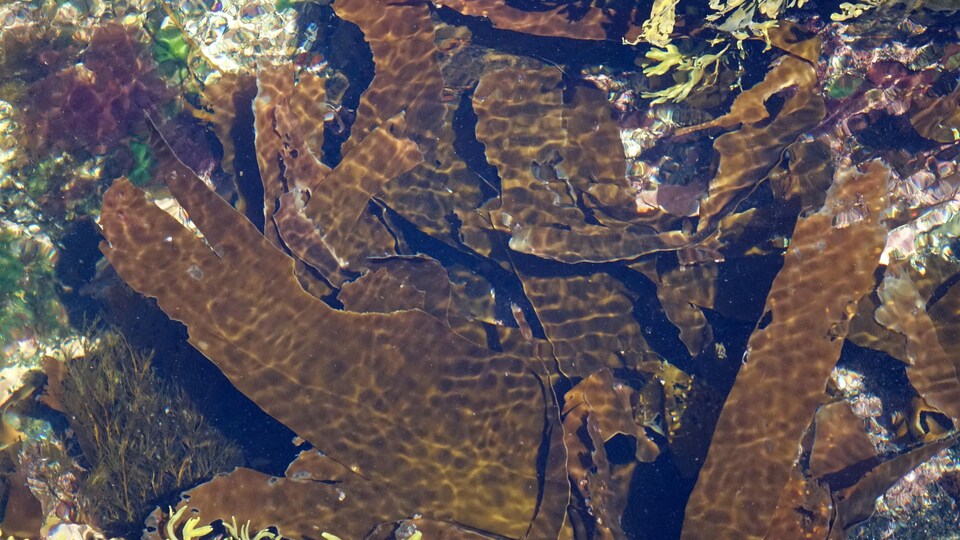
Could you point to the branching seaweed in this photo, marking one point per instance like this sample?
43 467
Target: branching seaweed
141 436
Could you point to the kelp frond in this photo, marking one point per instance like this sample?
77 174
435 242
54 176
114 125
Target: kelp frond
192 530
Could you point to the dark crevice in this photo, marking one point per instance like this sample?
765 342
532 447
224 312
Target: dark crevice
343 45
942 290
509 290
765 320
589 216
471 150
76 267
570 53
246 169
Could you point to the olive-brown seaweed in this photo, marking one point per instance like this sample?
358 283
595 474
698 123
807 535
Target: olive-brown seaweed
353 388
795 346
430 393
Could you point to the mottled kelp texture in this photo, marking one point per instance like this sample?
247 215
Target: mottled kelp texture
409 79
437 388
841 440
931 371
577 22
360 385
540 206
795 346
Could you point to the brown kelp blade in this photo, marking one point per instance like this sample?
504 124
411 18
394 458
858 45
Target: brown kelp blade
538 146
289 135
559 22
441 424
931 370
341 503
603 335
407 76
330 228
857 503
789 357
749 153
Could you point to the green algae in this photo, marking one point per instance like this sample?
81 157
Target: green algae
28 295
11 306
143 167
170 45
844 86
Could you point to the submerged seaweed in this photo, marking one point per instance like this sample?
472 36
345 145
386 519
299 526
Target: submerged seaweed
141 437
535 269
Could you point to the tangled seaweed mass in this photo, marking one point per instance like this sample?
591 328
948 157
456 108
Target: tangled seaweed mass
451 289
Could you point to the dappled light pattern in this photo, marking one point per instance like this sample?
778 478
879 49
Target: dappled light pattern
749 106
803 509
612 407
564 21
605 336
272 83
408 79
945 314
286 163
856 503
539 203
399 284
442 187
931 370
788 36
353 389
337 208
332 230
420 283
226 96
865 331
287 112
795 346
601 407
940 120
600 484
500 294
265 500
333 491
804 175
683 292
593 161
748 154
841 440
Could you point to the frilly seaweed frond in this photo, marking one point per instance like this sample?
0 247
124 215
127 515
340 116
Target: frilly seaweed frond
189 530
192 530
732 22
690 72
657 29
849 10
